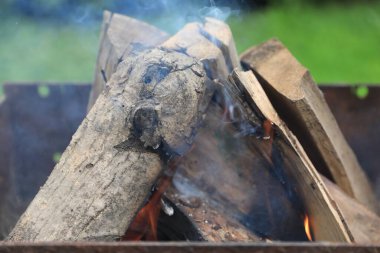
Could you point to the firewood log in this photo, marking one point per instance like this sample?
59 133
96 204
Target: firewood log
214 64
193 43
301 105
244 178
326 220
119 36
152 104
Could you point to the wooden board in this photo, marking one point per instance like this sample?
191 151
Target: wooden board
300 103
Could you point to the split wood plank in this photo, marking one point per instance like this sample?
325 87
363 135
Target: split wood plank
301 105
327 221
364 224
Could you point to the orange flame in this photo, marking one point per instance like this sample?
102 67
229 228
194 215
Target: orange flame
306 224
144 225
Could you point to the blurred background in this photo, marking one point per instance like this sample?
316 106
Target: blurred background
57 40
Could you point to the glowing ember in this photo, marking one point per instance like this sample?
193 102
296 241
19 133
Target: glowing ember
307 228
268 130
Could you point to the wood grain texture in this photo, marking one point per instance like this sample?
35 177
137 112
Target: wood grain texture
119 36
326 220
301 105
191 41
364 224
220 34
155 100
211 42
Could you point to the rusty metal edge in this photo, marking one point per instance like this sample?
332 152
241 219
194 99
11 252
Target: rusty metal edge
321 85
173 247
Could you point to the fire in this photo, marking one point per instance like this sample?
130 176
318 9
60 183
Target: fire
144 226
307 228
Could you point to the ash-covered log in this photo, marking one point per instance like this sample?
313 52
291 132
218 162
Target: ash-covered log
154 101
119 36
152 104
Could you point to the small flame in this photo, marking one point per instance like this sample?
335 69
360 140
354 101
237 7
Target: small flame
144 225
307 228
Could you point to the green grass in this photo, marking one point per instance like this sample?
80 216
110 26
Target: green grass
31 51
339 44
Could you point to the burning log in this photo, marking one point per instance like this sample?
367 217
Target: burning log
120 35
299 102
212 43
225 182
148 113
111 161
151 105
326 220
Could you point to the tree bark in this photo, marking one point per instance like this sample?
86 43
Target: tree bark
152 104
119 36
